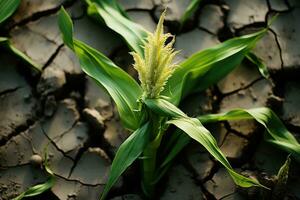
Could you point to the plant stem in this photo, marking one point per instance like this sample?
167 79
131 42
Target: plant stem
149 155
149 166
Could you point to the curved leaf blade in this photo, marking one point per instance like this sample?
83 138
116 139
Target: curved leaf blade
266 117
176 143
259 63
39 188
66 27
110 12
7 8
207 67
284 139
128 152
192 7
123 89
194 129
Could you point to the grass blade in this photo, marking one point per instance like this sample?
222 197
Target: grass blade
7 8
66 27
37 189
259 63
207 67
128 152
123 89
194 129
266 117
112 15
169 110
192 7
40 188
181 140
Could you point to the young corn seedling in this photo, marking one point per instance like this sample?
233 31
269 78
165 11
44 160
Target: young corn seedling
149 108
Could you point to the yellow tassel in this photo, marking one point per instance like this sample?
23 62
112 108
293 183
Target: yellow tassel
155 69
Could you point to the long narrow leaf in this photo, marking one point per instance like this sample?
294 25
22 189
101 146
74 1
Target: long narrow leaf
40 188
283 139
265 116
123 89
207 67
7 8
192 7
128 152
109 11
259 63
37 189
193 128
66 27
196 130
181 140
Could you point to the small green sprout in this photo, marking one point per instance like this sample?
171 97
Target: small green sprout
42 187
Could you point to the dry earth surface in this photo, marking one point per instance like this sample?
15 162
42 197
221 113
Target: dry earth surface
63 112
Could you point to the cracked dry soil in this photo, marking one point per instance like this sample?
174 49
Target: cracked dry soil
65 113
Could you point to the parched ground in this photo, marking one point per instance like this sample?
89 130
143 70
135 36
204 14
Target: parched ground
63 112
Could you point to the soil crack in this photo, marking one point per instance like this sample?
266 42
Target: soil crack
17 131
40 14
78 181
8 91
242 88
55 145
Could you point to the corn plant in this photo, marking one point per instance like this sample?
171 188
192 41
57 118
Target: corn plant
149 107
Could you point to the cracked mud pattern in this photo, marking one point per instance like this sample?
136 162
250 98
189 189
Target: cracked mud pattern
63 112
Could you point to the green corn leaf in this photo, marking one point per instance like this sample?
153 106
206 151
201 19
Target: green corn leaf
40 188
66 27
123 89
169 110
176 143
7 8
196 130
207 67
113 16
128 152
4 42
37 189
265 116
193 128
192 7
259 63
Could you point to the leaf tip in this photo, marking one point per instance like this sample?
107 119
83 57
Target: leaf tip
66 27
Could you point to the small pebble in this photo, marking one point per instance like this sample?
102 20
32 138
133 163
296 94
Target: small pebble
36 160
